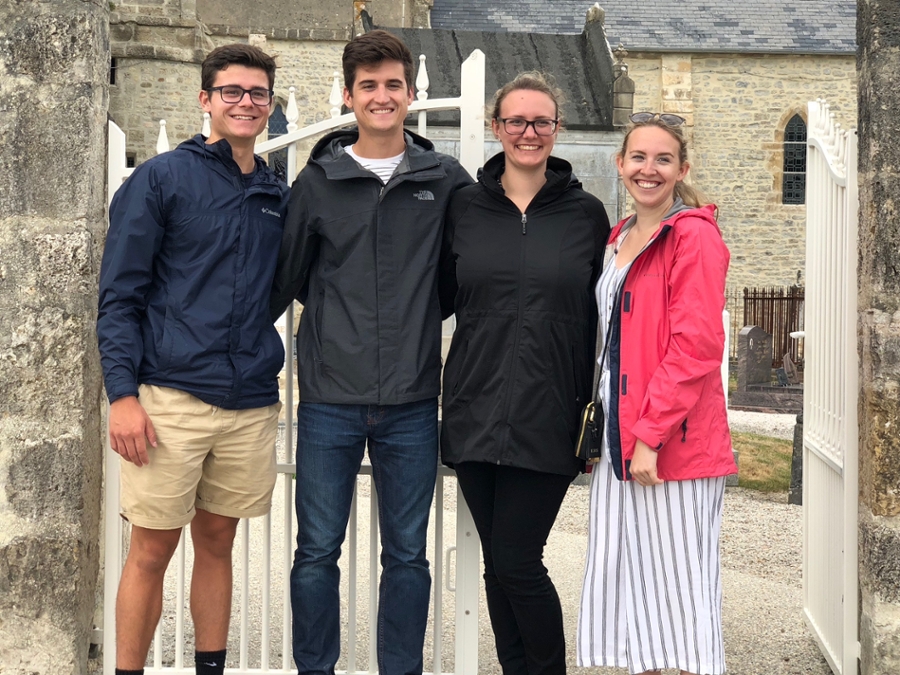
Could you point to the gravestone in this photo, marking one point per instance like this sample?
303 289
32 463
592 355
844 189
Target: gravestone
754 357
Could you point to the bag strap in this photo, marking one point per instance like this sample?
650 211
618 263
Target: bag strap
598 365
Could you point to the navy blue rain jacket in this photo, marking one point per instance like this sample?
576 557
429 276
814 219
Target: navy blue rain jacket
185 279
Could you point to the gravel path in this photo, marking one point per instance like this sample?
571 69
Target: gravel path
764 424
765 633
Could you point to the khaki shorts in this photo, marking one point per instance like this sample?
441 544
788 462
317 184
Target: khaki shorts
221 461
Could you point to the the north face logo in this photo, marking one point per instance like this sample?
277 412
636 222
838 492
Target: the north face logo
424 195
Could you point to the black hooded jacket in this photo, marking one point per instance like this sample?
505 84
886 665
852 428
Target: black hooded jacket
520 367
362 257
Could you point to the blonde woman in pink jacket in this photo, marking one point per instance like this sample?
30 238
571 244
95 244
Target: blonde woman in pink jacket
652 592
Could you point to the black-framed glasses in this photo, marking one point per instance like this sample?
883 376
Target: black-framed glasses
516 126
668 119
233 94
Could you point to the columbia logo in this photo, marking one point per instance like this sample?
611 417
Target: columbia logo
270 212
424 195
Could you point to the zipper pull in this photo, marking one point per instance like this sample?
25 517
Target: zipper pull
524 220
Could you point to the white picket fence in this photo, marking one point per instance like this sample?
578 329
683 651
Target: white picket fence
464 582
830 431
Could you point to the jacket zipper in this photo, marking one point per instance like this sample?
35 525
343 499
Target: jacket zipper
684 431
519 320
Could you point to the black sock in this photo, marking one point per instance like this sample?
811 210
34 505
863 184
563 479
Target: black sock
121 671
210 663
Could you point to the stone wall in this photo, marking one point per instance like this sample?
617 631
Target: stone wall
53 56
879 336
736 107
147 91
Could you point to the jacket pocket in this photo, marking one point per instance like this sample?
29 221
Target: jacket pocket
461 370
577 376
166 347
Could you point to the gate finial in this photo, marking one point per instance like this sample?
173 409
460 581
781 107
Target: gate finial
162 141
335 99
292 114
422 79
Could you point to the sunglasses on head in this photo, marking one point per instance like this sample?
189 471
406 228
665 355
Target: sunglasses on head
668 119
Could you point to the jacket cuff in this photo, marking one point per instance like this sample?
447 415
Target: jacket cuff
642 431
121 391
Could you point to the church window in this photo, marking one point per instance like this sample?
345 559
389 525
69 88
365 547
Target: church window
278 127
793 182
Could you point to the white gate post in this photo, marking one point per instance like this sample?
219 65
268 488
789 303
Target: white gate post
471 113
468 548
116 163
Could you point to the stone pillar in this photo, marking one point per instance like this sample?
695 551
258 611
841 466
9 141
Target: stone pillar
54 60
878 36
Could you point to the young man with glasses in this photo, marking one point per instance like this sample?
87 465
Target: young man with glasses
360 251
190 357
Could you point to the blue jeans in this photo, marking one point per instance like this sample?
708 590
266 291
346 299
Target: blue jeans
403 449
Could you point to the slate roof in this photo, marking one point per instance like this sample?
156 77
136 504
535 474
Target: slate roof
581 64
757 26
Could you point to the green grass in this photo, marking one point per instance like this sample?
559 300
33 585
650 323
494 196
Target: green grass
765 463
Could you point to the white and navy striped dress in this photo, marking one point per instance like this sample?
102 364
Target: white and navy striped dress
652 595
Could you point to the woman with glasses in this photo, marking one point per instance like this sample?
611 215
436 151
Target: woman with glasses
523 249
652 595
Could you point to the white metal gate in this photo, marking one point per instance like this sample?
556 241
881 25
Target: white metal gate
456 568
830 467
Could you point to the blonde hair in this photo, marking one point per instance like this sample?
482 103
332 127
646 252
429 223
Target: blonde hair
690 195
531 81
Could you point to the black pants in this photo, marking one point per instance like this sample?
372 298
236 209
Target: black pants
514 510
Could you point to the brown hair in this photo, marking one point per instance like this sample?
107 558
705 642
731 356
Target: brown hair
531 81
238 54
690 195
370 49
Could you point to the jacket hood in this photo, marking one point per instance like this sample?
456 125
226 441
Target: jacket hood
678 211
559 177
330 147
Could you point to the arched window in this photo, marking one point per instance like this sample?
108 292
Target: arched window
277 127
793 181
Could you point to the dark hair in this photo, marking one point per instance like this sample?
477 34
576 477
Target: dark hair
531 81
690 195
370 49
238 54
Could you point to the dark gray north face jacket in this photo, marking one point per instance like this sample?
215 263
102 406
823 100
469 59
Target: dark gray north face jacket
362 256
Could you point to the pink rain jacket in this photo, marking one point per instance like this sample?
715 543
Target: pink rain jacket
666 351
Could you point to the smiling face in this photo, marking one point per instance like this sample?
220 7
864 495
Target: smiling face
238 123
380 99
527 151
650 166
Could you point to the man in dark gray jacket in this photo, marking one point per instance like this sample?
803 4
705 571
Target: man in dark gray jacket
360 251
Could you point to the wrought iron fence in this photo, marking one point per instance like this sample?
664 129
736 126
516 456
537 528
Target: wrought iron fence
778 310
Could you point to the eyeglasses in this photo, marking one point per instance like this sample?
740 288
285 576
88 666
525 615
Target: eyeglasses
234 94
668 119
516 126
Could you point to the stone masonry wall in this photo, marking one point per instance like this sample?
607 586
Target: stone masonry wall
736 107
53 83
878 36
148 91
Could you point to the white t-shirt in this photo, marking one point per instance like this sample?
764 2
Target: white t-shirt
383 168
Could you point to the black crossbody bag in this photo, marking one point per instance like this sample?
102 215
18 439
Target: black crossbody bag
589 442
